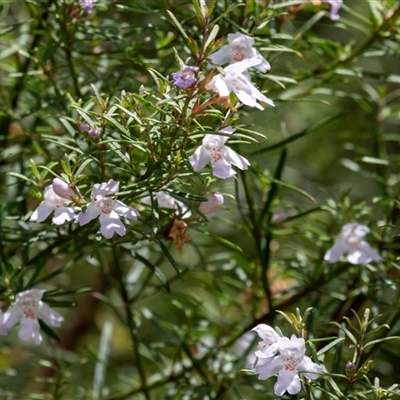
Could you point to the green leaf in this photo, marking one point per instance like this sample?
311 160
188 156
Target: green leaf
155 270
346 332
224 242
169 257
294 188
211 37
381 340
177 24
330 345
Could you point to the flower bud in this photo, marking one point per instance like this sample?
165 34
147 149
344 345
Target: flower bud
350 369
83 127
350 366
213 204
62 189
94 133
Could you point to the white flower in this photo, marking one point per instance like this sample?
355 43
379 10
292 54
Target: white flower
165 200
351 242
268 346
108 209
213 204
288 364
53 202
214 151
240 47
233 80
26 310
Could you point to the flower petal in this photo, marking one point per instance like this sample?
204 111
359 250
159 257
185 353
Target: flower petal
91 212
105 189
42 212
30 329
63 214
222 169
199 159
335 253
363 254
241 66
110 224
264 66
12 316
270 368
236 159
48 315
310 367
221 56
122 209
218 85
287 381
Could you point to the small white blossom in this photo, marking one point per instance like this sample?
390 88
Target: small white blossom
351 241
165 200
240 47
288 365
268 346
108 209
221 157
233 80
26 310
213 204
53 202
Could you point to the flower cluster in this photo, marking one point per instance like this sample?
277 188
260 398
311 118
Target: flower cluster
285 358
59 196
27 310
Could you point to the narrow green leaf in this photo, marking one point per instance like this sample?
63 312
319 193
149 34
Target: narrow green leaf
82 167
169 257
330 345
177 24
346 332
294 188
224 242
155 270
381 340
211 37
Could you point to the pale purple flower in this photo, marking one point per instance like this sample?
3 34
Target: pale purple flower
105 206
26 310
165 200
351 241
221 157
335 7
288 365
268 346
213 204
240 47
53 202
186 78
233 80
